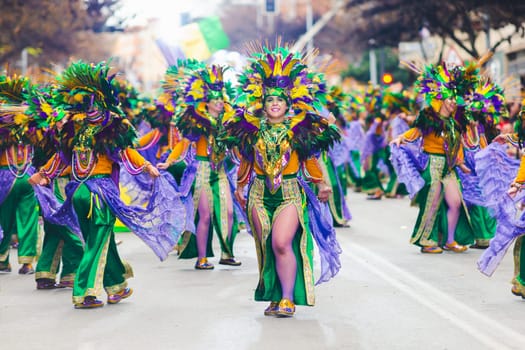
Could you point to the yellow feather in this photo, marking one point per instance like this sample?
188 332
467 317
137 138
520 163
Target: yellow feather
289 67
21 119
266 67
278 65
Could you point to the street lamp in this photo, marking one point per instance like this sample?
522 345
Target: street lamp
373 61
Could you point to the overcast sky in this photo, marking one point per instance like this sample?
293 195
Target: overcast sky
167 11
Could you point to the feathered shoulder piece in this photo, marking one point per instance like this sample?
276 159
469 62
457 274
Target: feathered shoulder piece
201 86
312 134
284 73
15 125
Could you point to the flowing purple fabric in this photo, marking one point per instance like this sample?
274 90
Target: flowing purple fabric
324 234
398 126
339 153
150 154
50 207
372 142
496 171
355 135
158 224
470 188
137 187
6 183
239 211
408 162
45 197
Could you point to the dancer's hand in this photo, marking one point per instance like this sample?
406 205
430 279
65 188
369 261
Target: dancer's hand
38 179
501 138
397 141
152 171
513 190
464 168
239 195
324 192
163 166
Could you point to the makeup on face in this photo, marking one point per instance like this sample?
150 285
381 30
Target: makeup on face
275 106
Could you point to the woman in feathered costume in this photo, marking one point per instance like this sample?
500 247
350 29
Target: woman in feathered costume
356 136
95 140
399 111
19 133
279 133
62 249
200 121
443 216
374 144
485 106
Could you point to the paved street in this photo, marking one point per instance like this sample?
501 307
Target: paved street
386 296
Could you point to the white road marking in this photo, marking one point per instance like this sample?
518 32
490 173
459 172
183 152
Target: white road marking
452 310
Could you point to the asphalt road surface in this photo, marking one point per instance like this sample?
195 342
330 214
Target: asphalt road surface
387 296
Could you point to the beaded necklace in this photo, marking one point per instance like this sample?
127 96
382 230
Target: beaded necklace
273 151
18 159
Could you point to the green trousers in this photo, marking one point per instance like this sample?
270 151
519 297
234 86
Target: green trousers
267 207
60 247
19 213
431 228
371 181
101 266
213 184
519 269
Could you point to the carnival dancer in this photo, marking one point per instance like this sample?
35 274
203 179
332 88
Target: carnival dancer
61 248
374 144
18 204
279 133
399 110
200 121
355 136
94 140
443 218
485 106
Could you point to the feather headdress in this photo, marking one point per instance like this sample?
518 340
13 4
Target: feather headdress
486 103
86 91
15 125
84 87
280 72
201 86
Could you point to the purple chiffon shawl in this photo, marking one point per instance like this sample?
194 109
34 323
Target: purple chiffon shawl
321 226
159 223
496 171
408 162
